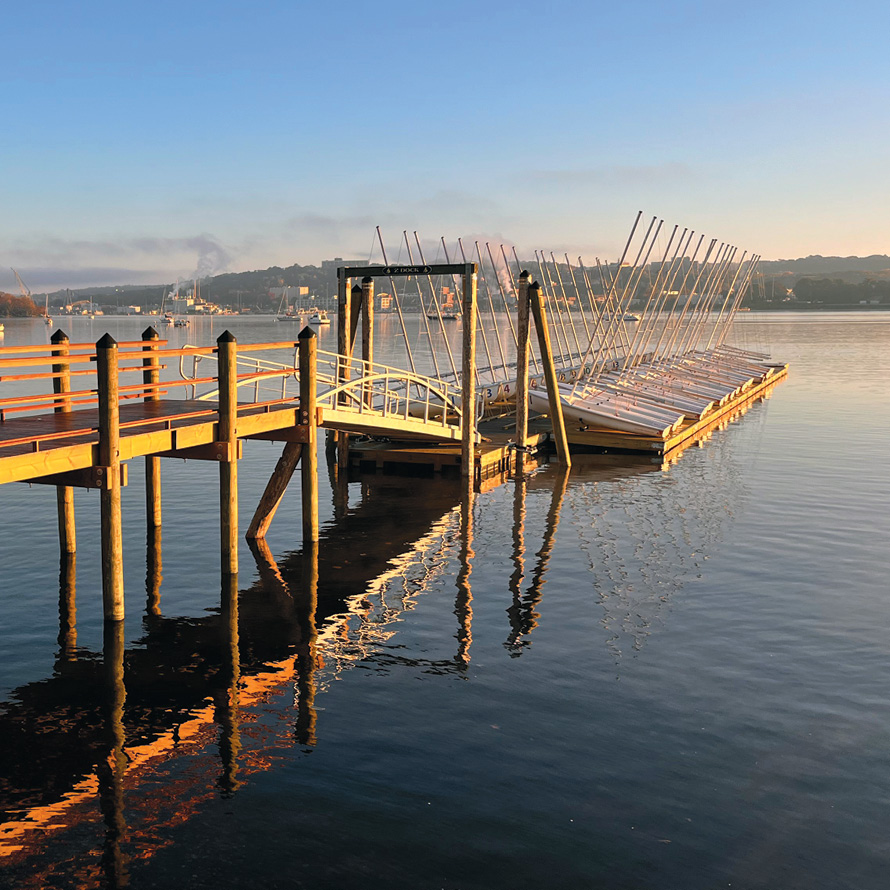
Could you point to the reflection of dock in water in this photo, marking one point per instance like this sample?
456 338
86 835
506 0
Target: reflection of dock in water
191 683
157 732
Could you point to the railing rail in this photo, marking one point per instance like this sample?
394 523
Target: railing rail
346 385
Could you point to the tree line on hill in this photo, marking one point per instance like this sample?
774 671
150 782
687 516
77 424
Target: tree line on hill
819 292
813 281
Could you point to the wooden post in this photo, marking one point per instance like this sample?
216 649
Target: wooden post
153 551
468 376
227 357
309 416
556 418
368 330
521 391
154 571
152 375
68 607
110 497
355 316
64 493
344 350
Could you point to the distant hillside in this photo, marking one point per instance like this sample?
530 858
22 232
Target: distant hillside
853 280
826 265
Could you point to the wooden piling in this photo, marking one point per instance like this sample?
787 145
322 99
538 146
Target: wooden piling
154 571
68 607
558 422
152 375
468 376
110 496
227 355
355 315
368 330
309 416
522 332
344 350
64 493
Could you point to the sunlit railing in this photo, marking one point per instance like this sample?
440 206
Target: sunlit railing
344 384
360 387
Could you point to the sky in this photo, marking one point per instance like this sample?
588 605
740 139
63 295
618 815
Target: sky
146 142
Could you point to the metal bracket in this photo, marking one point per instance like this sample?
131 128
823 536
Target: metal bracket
89 477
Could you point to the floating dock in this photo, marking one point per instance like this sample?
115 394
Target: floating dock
496 457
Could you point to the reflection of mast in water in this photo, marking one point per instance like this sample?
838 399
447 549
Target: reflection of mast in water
226 713
646 538
463 605
110 769
523 617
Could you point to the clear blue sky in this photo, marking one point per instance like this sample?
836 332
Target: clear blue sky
145 141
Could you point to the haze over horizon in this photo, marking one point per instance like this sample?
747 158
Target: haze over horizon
145 144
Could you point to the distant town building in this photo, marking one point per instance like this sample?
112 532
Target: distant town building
291 292
337 261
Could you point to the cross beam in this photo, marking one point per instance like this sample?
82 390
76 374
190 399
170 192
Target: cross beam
392 271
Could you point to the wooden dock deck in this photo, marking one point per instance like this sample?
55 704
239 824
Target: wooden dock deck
44 445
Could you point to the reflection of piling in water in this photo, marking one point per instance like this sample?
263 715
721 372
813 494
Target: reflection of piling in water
339 489
522 614
227 698
518 558
179 660
112 767
462 607
307 603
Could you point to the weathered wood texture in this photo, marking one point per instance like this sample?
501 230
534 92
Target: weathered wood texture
228 469
309 417
110 497
559 430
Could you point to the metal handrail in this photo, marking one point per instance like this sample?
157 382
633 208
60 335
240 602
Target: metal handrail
347 384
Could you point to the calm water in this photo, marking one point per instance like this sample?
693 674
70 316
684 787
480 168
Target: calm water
633 677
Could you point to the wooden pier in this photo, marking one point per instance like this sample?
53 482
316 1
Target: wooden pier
378 418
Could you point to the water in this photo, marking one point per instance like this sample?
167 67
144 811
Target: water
636 677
